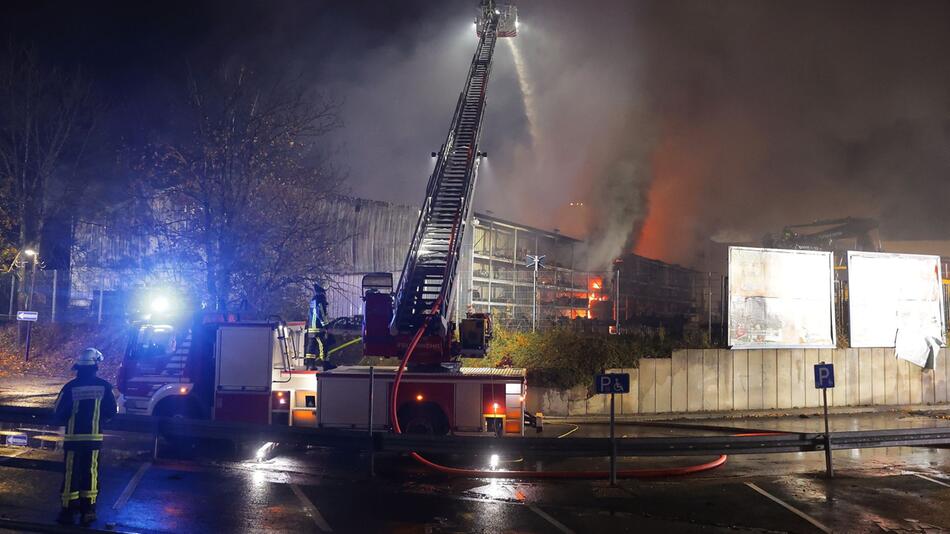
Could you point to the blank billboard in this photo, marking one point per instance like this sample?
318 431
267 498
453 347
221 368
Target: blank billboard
891 292
780 298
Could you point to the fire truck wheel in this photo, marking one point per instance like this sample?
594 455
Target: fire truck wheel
178 408
423 418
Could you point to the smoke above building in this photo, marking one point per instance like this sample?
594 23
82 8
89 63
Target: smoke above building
674 122
649 125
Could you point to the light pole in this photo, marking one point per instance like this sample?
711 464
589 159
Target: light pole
536 262
13 265
30 253
618 264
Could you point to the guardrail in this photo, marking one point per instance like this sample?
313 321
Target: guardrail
534 447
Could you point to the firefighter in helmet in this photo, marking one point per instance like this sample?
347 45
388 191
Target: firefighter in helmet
316 334
83 403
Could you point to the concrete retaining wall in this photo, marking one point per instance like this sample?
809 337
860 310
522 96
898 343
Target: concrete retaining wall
698 380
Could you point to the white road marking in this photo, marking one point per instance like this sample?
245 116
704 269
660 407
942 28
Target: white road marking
130 487
311 509
557 524
934 480
819 525
569 432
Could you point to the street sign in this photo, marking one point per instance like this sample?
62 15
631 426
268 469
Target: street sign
612 383
18 440
30 316
824 380
824 375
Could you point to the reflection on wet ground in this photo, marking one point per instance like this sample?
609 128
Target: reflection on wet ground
876 490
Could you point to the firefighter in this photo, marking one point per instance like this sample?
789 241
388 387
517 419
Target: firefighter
316 334
83 403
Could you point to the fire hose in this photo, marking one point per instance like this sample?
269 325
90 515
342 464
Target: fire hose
521 474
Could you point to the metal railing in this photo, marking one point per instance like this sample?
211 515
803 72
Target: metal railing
536 447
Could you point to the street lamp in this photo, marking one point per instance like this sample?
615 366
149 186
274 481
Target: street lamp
30 253
536 262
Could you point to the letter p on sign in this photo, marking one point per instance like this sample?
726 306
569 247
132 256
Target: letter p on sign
824 376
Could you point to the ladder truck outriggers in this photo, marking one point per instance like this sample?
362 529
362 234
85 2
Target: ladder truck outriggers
437 395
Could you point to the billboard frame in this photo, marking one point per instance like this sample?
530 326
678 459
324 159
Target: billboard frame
940 300
831 302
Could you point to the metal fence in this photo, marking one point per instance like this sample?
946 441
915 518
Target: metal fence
47 292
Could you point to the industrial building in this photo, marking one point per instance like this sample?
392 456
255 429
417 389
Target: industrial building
107 267
494 275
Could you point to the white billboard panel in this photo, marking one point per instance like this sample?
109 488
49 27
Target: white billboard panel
780 298
891 293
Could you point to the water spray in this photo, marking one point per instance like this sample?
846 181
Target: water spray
527 91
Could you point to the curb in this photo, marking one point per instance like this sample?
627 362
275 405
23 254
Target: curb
748 414
53 528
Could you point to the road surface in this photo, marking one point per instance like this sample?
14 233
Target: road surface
880 490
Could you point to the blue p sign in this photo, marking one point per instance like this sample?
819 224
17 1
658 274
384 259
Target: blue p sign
824 375
612 383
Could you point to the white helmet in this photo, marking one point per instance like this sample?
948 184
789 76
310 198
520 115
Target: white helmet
89 356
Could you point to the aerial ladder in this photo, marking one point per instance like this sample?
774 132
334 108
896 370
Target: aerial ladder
422 298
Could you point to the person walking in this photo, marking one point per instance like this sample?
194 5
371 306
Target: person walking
83 404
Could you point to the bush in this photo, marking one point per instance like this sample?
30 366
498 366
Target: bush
55 347
564 357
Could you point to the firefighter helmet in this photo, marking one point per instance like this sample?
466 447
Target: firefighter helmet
89 356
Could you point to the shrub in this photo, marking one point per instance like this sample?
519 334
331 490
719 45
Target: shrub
564 357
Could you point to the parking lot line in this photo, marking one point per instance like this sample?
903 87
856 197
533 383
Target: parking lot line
818 524
569 432
130 487
934 480
544 515
311 509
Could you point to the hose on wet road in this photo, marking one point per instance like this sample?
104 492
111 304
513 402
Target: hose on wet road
528 474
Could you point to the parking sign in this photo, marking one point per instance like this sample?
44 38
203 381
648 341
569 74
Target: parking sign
824 375
612 383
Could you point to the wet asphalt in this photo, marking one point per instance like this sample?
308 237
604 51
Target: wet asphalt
876 490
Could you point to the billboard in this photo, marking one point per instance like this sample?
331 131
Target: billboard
891 293
781 298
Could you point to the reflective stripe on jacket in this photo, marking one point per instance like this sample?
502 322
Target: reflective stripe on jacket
83 404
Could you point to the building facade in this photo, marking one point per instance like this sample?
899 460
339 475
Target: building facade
109 268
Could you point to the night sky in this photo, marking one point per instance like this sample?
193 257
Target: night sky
672 121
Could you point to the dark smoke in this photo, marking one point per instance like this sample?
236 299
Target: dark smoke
677 122
672 121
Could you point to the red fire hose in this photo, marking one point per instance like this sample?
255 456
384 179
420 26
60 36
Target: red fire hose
625 473
523 474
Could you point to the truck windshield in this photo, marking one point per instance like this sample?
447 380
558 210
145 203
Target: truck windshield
154 341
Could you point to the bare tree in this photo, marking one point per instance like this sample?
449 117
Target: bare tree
46 117
235 193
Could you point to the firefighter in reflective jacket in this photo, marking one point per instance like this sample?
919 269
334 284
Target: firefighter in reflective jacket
84 403
316 334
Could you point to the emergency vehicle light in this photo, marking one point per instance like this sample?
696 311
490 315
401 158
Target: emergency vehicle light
160 304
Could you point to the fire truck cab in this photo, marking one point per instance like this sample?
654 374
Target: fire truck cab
216 366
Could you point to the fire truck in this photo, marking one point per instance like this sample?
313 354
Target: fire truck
217 366
413 321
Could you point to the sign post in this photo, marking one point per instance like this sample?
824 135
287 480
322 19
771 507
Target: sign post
372 444
824 379
612 383
29 317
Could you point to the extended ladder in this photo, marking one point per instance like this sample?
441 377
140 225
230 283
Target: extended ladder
429 270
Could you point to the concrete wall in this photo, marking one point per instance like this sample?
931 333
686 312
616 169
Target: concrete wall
702 380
